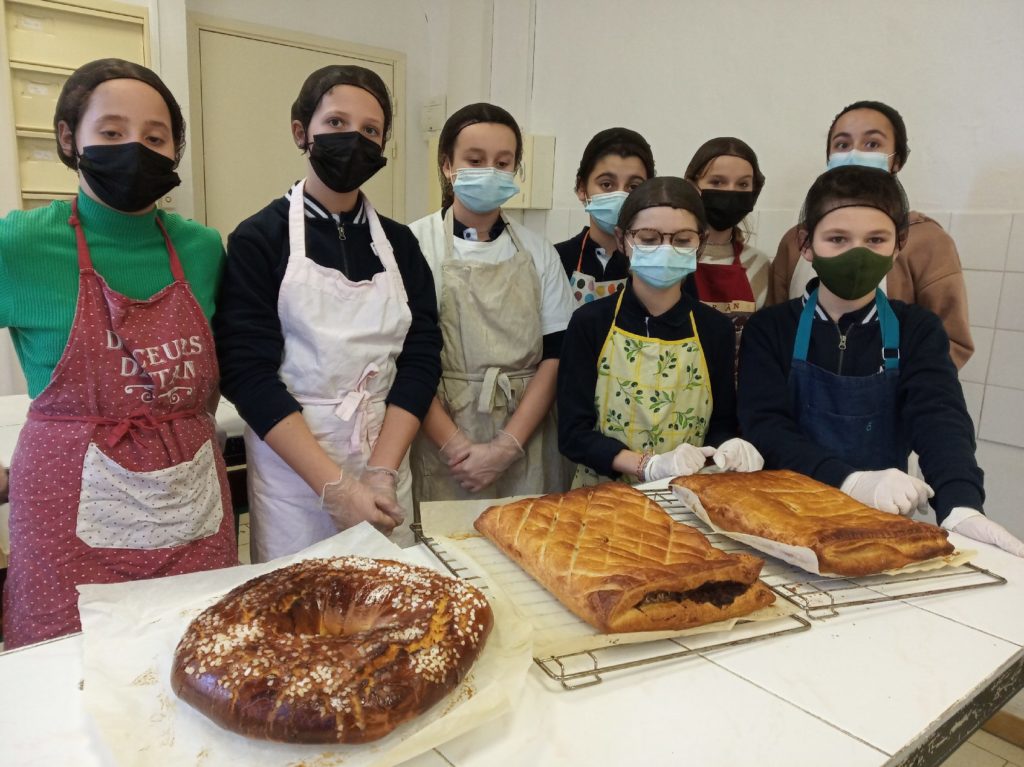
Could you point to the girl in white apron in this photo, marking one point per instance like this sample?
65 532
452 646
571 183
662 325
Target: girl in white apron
504 305
615 162
645 389
327 332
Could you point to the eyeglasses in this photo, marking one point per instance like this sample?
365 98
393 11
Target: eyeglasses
648 239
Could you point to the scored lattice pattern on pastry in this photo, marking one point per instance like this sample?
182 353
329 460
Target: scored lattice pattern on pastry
848 537
615 558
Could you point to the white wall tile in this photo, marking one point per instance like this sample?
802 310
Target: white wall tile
578 219
536 221
1011 302
1015 253
1001 464
982 239
1002 418
941 217
1007 365
976 368
983 296
974 393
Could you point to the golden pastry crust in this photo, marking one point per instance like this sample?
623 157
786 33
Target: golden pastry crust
618 561
848 537
336 650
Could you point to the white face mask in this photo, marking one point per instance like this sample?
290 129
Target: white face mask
879 160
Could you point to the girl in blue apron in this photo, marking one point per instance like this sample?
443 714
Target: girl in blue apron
843 383
615 162
645 389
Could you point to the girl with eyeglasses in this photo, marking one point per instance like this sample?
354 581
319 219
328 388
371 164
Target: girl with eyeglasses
645 388
504 305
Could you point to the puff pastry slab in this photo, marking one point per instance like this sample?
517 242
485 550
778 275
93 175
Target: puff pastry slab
848 537
618 561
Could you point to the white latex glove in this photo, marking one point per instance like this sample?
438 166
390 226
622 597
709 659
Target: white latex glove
350 501
487 461
738 455
889 490
681 462
971 523
456 449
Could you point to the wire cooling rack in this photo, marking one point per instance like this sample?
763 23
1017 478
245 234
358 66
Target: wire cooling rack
817 597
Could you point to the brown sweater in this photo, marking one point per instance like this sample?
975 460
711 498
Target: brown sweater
927 272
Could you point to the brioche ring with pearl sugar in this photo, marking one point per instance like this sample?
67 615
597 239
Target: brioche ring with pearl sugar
339 650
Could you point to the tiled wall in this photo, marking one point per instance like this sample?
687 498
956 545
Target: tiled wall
991 249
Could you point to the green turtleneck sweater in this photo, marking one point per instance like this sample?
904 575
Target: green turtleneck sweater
39 271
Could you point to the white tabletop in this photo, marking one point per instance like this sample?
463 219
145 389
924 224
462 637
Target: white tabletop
868 687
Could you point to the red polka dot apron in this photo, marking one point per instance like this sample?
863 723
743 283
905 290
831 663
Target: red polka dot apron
586 287
116 475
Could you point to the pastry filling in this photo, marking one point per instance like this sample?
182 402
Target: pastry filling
718 593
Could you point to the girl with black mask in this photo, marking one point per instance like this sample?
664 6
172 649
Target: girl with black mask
108 300
327 332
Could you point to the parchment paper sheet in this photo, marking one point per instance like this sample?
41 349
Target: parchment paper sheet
556 629
131 631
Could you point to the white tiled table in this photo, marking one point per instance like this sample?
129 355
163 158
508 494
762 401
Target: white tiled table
897 683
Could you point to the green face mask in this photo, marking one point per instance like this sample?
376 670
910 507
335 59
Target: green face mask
853 273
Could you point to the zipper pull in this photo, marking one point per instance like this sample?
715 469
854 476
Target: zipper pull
647 326
842 338
341 232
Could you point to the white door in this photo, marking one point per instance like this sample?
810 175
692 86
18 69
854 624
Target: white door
248 155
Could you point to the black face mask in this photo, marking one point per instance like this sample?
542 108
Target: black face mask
127 177
726 209
345 161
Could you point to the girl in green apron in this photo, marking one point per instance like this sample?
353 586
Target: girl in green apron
645 387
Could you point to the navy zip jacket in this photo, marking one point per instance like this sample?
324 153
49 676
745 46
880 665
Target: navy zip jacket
250 344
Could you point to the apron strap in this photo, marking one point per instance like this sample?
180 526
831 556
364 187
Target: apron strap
737 249
140 419
297 220
803 330
85 259
494 379
583 246
890 331
886 318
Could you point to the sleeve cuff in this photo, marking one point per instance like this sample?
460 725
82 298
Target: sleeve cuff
958 515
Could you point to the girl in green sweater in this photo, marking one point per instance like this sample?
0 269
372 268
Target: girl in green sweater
116 475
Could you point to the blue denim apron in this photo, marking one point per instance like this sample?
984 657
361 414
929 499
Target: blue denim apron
852 416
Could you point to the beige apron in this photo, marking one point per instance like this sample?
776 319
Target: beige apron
490 320
651 395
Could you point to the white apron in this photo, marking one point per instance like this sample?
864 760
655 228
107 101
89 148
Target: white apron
490 319
341 340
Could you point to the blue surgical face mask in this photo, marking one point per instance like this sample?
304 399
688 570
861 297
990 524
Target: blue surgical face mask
663 266
484 189
604 209
878 160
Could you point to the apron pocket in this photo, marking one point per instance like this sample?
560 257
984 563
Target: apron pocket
123 509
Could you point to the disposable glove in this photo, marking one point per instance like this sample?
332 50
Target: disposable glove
350 501
384 481
738 455
971 523
487 461
456 449
889 490
683 461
